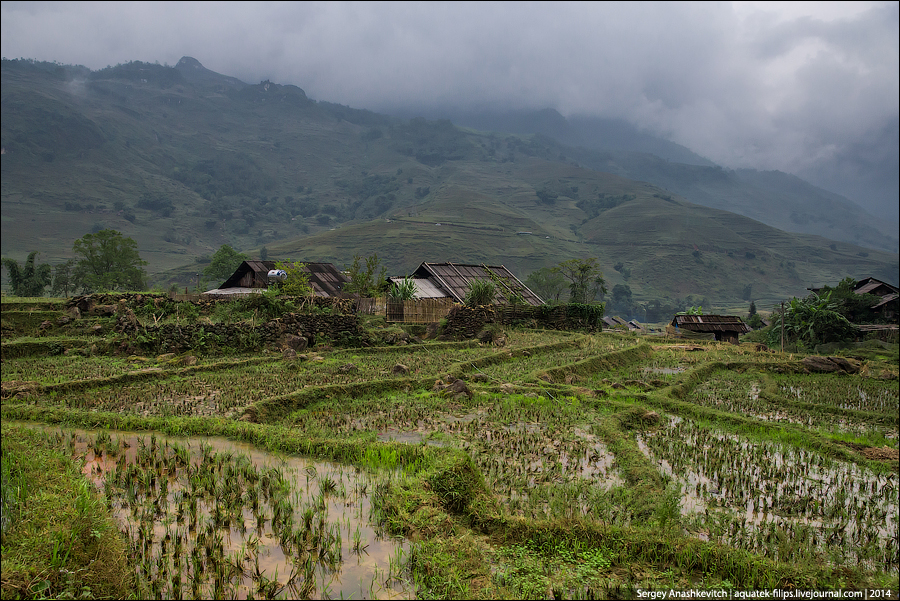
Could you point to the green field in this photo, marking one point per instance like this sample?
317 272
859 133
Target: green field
556 465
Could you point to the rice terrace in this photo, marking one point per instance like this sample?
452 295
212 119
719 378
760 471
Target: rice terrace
163 449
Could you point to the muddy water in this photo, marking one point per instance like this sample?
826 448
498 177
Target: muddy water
765 493
369 564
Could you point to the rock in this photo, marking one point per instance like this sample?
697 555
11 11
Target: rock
289 354
829 365
399 369
571 379
292 341
104 310
600 393
481 378
507 388
64 320
347 368
431 330
74 312
45 325
188 360
617 386
165 357
96 329
459 387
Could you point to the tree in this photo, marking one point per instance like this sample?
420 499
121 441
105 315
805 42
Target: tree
546 282
108 261
857 308
585 279
297 282
223 263
622 300
811 321
63 278
28 280
366 281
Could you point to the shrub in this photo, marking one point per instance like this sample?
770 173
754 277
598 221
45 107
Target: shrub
481 292
403 290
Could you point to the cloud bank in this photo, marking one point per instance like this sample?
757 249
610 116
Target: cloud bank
807 88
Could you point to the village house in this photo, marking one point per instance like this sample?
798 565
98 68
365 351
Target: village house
453 280
887 307
253 276
889 294
724 328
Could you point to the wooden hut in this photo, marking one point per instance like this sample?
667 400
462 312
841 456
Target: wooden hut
252 276
725 328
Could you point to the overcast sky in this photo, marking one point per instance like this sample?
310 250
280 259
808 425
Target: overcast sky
809 88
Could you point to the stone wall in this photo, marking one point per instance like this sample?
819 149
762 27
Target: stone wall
275 334
466 322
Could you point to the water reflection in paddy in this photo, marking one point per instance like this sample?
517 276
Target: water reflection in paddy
212 517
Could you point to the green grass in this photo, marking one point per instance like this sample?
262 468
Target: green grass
60 540
531 486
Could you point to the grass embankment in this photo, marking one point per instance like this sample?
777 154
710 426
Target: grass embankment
59 540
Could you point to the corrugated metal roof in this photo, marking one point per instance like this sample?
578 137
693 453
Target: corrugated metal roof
325 278
425 288
711 323
232 291
455 278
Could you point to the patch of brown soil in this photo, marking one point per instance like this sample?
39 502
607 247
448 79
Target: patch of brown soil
12 387
881 453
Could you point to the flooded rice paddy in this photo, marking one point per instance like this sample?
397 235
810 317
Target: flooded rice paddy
559 429
776 499
215 518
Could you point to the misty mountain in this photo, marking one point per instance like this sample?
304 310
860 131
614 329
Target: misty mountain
183 160
594 133
778 199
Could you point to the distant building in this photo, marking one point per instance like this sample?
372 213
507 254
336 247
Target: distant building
887 306
889 294
725 328
252 277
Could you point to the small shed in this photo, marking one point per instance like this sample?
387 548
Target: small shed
454 279
725 328
252 276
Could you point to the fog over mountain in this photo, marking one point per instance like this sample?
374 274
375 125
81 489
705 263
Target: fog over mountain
806 88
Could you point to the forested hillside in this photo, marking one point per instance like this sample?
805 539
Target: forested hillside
183 160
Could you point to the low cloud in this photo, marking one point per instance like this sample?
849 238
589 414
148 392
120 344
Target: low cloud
746 84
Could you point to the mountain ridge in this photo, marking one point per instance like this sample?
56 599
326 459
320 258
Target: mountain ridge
183 160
